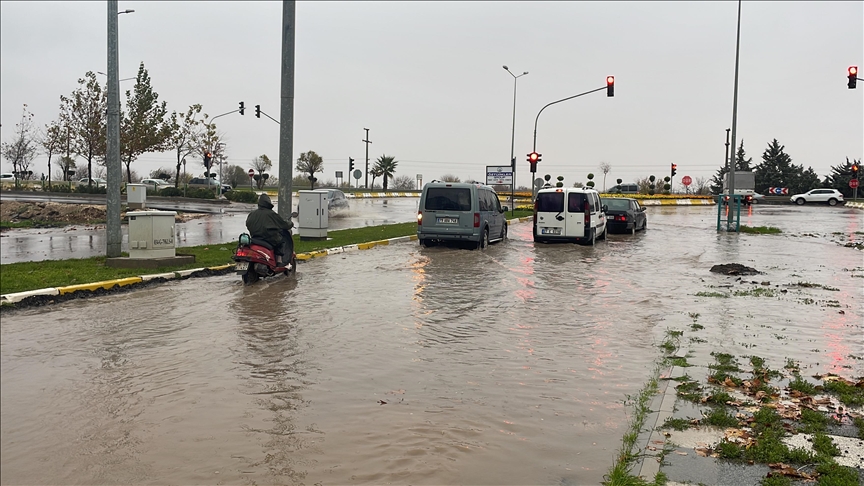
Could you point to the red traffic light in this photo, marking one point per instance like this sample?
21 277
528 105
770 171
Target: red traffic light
853 77
533 157
610 86
853 70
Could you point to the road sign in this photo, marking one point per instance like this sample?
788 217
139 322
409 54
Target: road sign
779 191
251 173
338 174
686 180
538 182
357 174
496 174
853 183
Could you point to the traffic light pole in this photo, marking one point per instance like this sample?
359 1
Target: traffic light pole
550 104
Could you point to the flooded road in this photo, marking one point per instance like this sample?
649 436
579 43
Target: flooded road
411 365
85 241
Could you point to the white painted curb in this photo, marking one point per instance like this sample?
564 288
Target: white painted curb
19 296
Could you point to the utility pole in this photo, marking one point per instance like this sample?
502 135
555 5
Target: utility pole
367 157
731 216
286 110
112 159
726 161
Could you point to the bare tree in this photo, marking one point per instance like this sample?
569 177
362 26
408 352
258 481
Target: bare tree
210 142
24 146
261 165
605 167
85 112
702 186
450 178
403 183
52 141
184 132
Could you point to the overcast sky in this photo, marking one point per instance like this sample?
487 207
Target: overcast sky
426 78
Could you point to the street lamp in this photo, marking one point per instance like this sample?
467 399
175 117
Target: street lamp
103 74
512 143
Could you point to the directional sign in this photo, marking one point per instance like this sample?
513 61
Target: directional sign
778 191
496 174
853 183
338 174
251 173
686 180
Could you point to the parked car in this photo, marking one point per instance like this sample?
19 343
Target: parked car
156 184
757 198
630 188
460 212
7 177
569 214
624 215
204 183
97 182
830 196
336 200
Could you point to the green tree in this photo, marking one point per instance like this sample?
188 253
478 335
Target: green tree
236 176
840 176
24 146
742 162
210 141
309 163
261 165
86 113
67 167
184 133
375 172
142 126
777 170
53 141
386 166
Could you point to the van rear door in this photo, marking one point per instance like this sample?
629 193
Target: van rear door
448 210
576 202
550 214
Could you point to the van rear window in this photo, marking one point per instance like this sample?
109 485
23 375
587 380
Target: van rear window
448 199
550 202
576 202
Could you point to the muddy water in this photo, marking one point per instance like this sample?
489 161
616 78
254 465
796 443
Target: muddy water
407 365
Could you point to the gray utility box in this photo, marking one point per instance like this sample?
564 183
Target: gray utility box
151 234
312 212
136 196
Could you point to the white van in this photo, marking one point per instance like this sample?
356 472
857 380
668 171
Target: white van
569 214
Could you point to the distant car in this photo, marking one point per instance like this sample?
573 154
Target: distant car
204 183
7 176
98 181
624 189
624 214
757 198
336 200
156 184
830 196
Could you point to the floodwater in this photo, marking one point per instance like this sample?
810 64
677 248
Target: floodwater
411 365
85 241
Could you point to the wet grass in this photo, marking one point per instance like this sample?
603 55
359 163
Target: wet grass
678 424
720 417
775 481
719 398
760 230
22 276
801 385
678 361
689 390
4 225
757 292
720 295
851 396
724 362
812 421
859 422
815 285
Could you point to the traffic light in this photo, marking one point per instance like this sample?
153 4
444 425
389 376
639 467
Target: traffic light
610 86
853 77
674 169
242 108
350 164
258 111
855 170
208 158
533 158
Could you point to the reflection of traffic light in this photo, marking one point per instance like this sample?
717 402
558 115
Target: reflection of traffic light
853 77
674 169
208 158
610 86
258 111
242 108
350 164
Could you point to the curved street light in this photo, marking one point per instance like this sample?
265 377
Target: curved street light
513 141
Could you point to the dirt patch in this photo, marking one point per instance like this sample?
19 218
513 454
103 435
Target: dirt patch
58 214
734 269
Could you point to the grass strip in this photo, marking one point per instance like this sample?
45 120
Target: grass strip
23 276
759 230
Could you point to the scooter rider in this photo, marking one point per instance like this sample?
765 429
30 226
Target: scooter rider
265 224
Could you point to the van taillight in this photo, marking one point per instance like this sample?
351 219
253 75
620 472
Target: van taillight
587 225
419 218
476 220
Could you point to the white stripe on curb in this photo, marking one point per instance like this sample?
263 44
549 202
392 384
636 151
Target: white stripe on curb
19 296
168 275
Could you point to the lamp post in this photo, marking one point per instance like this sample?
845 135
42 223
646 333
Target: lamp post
115 175
734 123
513 142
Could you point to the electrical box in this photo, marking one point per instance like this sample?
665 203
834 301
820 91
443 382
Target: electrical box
151 233
136 196
312 212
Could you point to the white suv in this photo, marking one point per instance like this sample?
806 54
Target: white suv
831 196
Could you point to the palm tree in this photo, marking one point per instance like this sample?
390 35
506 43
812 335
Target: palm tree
386 165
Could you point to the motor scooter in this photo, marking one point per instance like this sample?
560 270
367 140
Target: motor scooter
256 259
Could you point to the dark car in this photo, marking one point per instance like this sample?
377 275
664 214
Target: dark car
624 215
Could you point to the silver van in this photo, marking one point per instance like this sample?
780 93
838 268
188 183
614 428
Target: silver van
460 212
630 188
569 214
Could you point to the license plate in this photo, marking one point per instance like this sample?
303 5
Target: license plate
448 220
241 266
610 217
550 231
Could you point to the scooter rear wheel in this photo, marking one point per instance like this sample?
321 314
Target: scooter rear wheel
250 276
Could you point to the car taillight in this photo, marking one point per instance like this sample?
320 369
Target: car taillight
419 218
621 217
476 220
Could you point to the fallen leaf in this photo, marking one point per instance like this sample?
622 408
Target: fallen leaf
382 402
681 453
728 382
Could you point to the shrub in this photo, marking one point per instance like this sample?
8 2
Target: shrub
242 196
91 189
60 187
200 193
171 192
